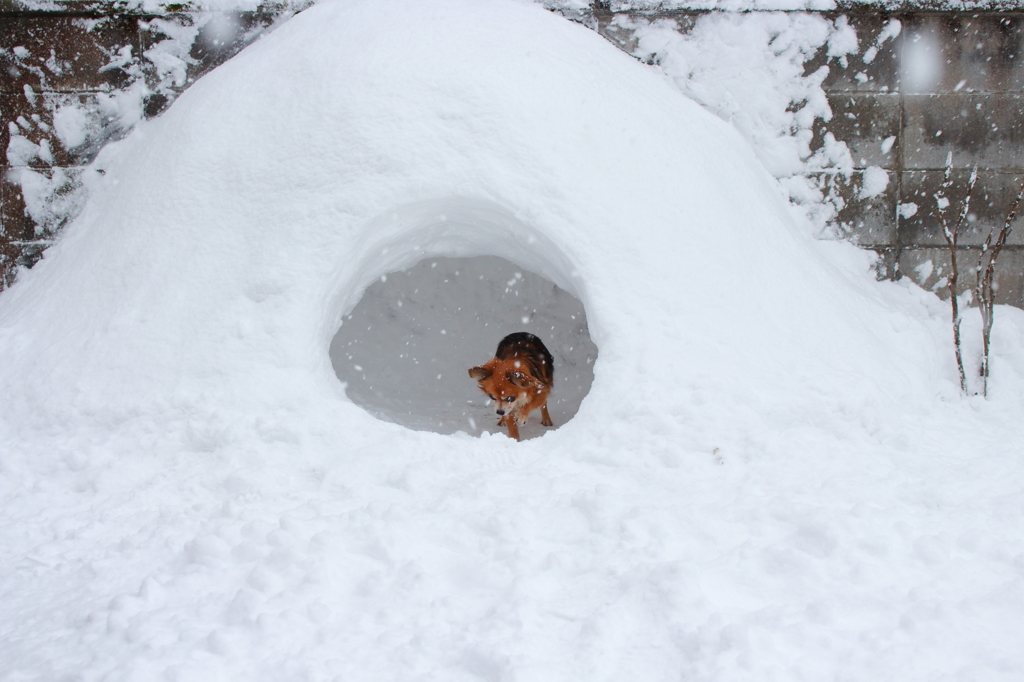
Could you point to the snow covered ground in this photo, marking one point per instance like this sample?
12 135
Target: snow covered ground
772 477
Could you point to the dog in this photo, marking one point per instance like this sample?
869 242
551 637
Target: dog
518 380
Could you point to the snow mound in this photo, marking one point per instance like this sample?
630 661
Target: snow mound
772 476
228 239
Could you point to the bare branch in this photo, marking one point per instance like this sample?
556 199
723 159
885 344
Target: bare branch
942 199
984 284
951 235
966 205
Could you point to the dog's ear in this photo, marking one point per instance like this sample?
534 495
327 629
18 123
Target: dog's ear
519 379
481 373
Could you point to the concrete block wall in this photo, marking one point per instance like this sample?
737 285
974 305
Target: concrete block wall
951 81
974 110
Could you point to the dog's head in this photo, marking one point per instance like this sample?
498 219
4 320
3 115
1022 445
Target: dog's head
507 386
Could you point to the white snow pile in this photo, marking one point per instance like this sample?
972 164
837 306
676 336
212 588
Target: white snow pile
749 68
773 476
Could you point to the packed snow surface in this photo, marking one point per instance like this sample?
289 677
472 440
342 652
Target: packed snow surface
773 476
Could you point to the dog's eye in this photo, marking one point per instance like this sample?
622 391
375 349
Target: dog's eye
510 399
491 396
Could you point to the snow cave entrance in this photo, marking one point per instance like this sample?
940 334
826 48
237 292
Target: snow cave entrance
404 350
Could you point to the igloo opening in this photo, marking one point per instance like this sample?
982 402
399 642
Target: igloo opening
404 350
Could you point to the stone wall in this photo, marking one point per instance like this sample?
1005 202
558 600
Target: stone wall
949 82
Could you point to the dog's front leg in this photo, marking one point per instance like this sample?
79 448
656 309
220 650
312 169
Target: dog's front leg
513 426
545 418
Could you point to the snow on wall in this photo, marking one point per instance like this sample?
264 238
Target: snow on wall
72 83
158 8
749 69
786 5
162 6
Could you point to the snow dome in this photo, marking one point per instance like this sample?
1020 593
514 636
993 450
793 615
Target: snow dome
769 477
226 241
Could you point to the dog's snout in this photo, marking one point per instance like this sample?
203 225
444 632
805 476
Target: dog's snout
500 412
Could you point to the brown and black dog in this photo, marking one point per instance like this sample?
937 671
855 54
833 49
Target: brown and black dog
518 380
